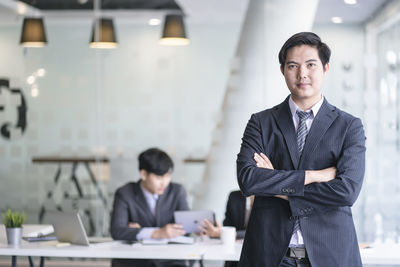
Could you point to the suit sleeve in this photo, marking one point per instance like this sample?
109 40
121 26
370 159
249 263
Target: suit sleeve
260 181
182 199
345 188
120 219
229 221
233 208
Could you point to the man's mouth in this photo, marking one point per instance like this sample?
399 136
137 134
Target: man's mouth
303 84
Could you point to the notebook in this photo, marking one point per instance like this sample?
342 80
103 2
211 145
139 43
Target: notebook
175 240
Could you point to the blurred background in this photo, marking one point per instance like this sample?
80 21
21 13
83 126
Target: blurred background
74 115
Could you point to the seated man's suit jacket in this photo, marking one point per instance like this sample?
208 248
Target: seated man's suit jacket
130 206
334 139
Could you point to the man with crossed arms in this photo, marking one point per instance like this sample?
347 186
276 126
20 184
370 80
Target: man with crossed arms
304 161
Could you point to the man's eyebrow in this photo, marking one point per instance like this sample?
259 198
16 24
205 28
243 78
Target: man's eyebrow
307 61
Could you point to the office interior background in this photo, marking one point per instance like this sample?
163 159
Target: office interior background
192 101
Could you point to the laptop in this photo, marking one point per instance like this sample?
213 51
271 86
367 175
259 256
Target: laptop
192 219
68 227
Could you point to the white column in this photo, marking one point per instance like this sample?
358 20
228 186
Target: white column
255 84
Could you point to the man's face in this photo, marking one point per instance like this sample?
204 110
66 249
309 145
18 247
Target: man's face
304 73
153 183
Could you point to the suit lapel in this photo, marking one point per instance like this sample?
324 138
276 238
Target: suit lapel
142 204
284 120
325 116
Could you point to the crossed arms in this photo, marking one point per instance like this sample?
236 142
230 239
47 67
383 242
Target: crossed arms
335 186
315 176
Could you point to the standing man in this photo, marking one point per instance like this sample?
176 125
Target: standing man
304 161
145 209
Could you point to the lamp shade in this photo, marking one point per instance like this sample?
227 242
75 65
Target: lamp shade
174 31
106 37
33 33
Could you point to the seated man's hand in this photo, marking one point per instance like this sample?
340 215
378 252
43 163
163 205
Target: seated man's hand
168 231
134 225
207 228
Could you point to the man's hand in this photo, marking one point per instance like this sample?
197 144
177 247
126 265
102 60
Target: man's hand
320 176
207 228
263 161
134 225
168 231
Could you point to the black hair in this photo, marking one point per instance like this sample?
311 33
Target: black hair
305 38
154 160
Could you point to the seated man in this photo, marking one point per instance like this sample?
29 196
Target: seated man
145 209
237 215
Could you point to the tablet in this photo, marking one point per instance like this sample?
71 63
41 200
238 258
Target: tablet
192 219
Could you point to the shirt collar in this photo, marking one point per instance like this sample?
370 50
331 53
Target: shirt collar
293 107
147 194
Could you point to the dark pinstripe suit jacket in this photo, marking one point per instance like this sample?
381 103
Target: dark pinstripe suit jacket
335 139
130 206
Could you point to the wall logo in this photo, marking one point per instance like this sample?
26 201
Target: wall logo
13 111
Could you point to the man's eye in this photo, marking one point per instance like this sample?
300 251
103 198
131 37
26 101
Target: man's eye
292 66
312 65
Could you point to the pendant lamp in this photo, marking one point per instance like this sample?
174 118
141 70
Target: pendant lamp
174 31
105 37
33 33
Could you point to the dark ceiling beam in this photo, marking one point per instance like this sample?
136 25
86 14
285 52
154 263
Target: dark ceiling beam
105 4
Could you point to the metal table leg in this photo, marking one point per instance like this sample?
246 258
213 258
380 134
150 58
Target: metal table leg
31 263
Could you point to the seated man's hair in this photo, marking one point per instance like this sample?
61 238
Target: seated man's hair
156 161
305 38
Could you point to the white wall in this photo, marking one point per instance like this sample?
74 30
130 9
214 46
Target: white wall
119 102
256 83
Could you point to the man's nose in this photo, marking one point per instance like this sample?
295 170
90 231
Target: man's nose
303 72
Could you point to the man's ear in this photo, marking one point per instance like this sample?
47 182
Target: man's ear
282 69
326 67
143 174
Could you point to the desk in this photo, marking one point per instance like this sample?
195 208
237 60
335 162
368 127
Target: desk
210 249
383 254
75 161
203 250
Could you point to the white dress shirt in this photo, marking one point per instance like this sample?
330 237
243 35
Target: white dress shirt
151 199
297 238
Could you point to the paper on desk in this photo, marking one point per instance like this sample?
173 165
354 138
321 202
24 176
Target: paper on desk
174 240
37 230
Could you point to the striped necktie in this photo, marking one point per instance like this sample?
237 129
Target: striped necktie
301 139
302 129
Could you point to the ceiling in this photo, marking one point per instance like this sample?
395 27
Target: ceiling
105 4
351 14
201 11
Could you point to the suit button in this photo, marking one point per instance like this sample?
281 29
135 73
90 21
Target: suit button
292 218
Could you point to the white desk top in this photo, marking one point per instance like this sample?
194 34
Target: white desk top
210 250
384 254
